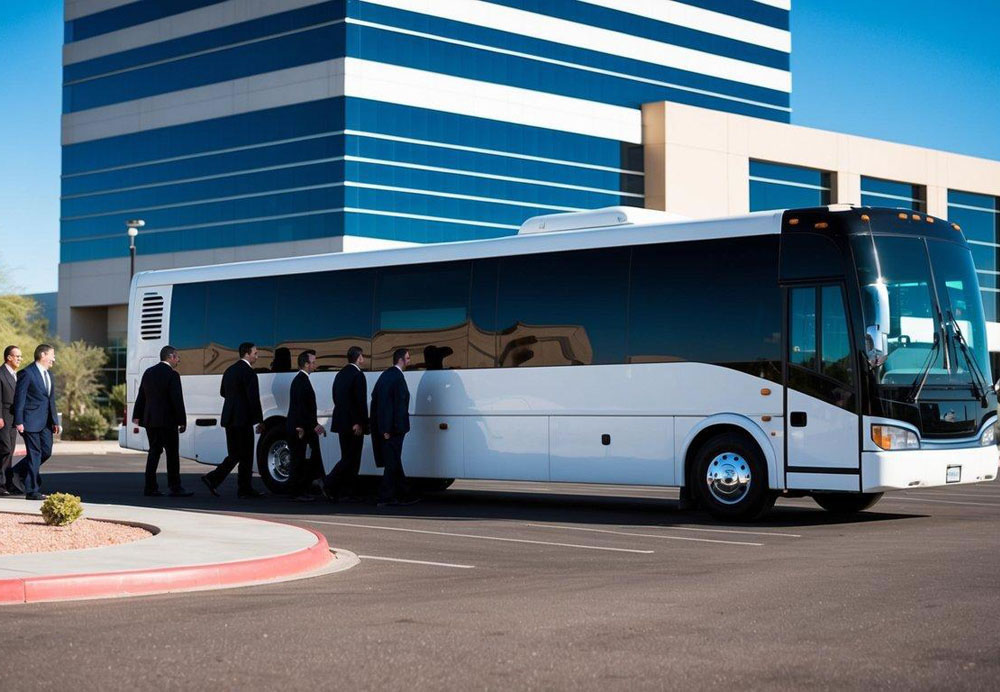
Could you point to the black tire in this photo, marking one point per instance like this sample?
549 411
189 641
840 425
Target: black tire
432 485
739 489
274 472
846 503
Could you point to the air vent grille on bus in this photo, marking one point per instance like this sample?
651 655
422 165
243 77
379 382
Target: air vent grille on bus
151 320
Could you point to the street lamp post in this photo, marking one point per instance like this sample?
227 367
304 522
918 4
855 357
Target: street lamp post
133 227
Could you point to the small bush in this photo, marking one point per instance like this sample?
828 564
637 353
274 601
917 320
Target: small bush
61 509
89 425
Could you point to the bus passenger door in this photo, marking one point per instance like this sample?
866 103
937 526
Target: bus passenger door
822 425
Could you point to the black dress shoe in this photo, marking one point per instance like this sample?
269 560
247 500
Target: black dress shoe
250 494
208 484
180 492
35 496
304 498
152 493
3 491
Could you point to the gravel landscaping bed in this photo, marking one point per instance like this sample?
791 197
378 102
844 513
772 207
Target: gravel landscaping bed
28 533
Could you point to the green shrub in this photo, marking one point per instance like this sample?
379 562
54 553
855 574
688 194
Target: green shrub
89 425
61 509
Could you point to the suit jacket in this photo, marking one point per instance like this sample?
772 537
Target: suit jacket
242 396
390 404
8 383
34 408
350 400
301 405
160 402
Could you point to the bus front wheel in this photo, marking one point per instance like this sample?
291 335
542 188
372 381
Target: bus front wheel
731 478
846 503
274 459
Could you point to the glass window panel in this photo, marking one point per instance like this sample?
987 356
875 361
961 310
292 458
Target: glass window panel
792 174
876 192
976 225
424 308
563 308
239 310
972 199
483 314
836 344
327 312
802 328
713 301
187 326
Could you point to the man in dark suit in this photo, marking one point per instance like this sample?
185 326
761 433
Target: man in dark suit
159 408
36 420
390 423
350 420
241 417
303 430
8 433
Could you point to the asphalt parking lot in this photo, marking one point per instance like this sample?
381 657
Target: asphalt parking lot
535 585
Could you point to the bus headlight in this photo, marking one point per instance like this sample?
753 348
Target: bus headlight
890 437
989 436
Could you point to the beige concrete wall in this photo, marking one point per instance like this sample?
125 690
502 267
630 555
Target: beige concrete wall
698 161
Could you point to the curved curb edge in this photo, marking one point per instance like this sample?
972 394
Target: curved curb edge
71 587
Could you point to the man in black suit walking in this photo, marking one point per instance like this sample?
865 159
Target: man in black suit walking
159 408
35 418
241 417
303 430
8 433
390 423
350 419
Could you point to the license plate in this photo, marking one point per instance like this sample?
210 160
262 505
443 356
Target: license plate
954 474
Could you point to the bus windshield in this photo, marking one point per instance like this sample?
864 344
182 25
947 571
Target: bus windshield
935 309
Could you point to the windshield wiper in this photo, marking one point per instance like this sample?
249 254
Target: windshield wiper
979 382
918 384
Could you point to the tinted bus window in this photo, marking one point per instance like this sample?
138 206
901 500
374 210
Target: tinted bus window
483 314
187 327
713 301
424 308
563 308
328 312
239 310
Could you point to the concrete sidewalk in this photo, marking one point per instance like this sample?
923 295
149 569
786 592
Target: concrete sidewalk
190 551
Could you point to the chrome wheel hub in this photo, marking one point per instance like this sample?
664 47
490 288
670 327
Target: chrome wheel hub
279 461
728 478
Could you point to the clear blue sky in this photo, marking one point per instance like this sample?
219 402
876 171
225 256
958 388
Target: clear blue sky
921 72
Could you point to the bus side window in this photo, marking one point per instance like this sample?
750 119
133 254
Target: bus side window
802 328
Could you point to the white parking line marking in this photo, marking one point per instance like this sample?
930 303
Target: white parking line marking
646 535
671 527
942 502
933 493
483 538
415 562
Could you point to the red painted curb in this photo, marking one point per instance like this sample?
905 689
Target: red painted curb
69 587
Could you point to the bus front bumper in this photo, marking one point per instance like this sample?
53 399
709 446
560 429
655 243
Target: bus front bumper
925 468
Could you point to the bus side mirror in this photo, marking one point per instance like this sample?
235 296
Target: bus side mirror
876 346
877 335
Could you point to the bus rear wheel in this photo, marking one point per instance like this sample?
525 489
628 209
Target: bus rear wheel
846 503
730 478
274 459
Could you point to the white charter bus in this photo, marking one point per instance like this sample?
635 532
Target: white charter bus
836 352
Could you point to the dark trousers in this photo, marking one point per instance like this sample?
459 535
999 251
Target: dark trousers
239 445
394 485
39 448
163 440
8 441
303 471
344 476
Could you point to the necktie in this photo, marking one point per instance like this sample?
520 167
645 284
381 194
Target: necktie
45 378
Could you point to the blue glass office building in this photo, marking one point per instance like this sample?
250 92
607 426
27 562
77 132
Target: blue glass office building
275 123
